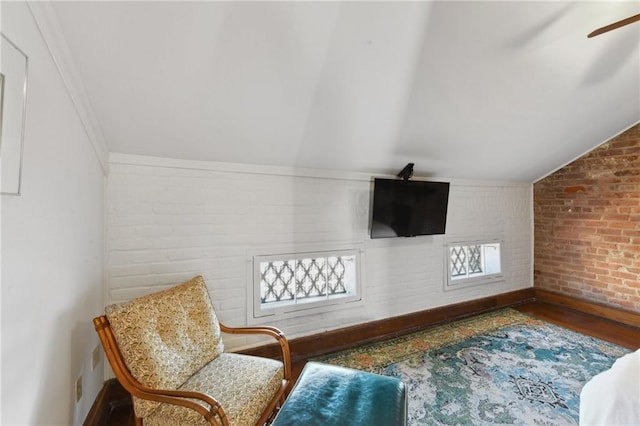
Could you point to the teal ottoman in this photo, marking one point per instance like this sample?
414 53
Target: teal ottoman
326 395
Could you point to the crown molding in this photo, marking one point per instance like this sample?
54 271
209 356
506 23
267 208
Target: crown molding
49 27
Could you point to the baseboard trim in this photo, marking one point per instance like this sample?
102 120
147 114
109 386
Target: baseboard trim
99 406
112 397
374 331
614 314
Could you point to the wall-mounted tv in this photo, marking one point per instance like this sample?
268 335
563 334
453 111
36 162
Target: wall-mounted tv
404 208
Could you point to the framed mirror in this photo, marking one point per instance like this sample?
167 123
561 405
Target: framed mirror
14 65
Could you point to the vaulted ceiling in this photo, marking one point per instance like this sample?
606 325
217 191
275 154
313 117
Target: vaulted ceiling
504 90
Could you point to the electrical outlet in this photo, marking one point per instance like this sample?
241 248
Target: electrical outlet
95 357
78 388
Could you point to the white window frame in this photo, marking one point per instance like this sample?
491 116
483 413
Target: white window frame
307 307
454 284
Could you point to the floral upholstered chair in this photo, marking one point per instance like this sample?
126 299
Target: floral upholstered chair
166 350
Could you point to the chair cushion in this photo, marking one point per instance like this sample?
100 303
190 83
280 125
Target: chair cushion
244 385
166 337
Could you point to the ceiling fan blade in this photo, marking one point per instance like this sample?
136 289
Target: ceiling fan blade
615 25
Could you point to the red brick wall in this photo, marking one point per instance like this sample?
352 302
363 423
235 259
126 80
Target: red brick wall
587 226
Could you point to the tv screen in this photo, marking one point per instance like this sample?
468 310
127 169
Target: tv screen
403 208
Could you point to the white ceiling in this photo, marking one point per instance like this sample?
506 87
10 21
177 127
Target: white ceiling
503 90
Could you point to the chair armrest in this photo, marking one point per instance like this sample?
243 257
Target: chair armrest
176 397
274 332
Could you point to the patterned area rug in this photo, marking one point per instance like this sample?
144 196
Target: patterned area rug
500 368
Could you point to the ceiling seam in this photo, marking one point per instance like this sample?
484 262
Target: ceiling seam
298 172
585 153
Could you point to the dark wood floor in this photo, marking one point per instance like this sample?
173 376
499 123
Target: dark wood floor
611 331
604 329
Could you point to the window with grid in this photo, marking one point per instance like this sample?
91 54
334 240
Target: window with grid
300 281
473 263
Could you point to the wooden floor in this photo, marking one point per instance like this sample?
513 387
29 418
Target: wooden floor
604 329
611 331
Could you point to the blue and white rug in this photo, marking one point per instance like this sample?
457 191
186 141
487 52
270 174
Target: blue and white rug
489 370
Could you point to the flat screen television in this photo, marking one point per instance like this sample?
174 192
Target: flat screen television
404 208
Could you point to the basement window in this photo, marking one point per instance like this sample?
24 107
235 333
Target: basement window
305 282
473 263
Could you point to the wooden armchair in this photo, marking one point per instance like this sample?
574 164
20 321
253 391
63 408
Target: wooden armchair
166 350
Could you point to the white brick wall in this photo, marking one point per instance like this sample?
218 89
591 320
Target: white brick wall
169 220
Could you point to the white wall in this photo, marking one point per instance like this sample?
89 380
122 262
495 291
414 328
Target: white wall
52 251
169 220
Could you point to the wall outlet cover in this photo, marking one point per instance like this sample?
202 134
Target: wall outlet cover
95 357
78 388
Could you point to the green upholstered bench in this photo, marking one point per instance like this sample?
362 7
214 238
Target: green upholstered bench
326 395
